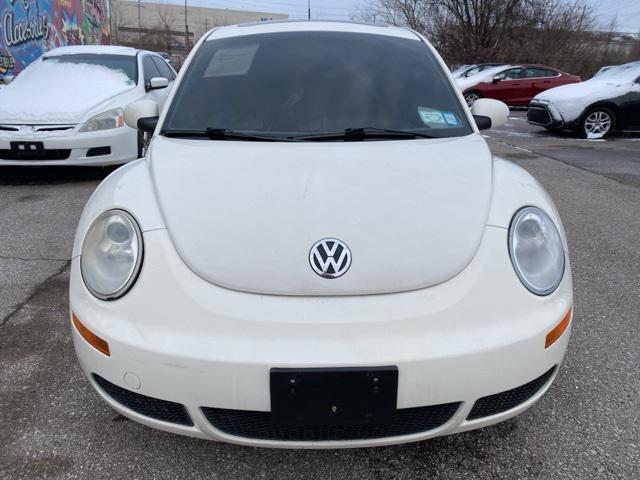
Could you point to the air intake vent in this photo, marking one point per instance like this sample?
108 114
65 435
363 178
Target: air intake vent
98 151
258 425
501 402
148 406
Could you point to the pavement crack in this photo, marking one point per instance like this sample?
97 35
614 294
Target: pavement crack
36 290
33 259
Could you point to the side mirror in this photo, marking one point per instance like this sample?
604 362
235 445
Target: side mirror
141 109
156 83
488 113
8 79
496 79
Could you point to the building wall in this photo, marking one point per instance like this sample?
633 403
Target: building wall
28 28
168 16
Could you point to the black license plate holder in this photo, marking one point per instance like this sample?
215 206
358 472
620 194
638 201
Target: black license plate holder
333 396
27 148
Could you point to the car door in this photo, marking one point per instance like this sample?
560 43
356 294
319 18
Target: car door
540 79
630 108
509 88
150 70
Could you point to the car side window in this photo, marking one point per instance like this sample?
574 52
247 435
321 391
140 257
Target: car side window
163 68
537 72
511 74
150 69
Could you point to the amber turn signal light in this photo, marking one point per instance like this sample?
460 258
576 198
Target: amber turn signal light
558 330
92 339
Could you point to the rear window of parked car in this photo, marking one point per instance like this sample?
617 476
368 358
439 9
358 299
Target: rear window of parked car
532 72
299 83
123 63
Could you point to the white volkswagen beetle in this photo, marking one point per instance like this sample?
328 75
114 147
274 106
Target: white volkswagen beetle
319 250
67 107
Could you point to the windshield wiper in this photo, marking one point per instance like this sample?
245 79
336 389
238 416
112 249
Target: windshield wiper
357 134
223 134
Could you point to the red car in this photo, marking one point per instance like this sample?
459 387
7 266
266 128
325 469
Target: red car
514 85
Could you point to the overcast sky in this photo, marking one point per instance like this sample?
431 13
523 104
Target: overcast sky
627 12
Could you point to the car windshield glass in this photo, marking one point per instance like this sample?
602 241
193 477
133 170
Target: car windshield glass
307 83
123 63
627 72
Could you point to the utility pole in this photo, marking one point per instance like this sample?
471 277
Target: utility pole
309 9
139 25
186 30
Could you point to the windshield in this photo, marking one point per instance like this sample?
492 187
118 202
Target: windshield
123 63
626 73
310 83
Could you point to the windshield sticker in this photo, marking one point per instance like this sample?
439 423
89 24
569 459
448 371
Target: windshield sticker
432 117
451 118
231 61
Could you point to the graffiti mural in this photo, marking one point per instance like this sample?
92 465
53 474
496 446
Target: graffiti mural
28 28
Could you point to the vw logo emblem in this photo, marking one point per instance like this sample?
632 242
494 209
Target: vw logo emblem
330 258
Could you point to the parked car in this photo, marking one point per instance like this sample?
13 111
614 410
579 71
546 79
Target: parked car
67 108
319 250
167 58
515 85
604 69
604 104
471 70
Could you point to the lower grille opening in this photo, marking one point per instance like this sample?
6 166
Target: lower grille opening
148 406
539 115
98 151
259 425
501 402
52 154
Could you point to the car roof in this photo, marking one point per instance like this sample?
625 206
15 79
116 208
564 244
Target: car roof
279 26
95 49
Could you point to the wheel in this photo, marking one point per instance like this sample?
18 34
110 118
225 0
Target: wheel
598 122
471 97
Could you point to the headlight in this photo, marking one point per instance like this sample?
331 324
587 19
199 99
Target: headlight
111 255
536 250
104 121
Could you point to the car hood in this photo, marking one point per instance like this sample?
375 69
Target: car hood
49 94
572 99
584 92
244 215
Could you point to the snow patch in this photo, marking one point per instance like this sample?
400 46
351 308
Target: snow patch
96 49
485 76
595 136
49 92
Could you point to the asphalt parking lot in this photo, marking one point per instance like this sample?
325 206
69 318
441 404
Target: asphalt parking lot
587 426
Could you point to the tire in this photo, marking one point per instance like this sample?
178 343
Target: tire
471 97
599 121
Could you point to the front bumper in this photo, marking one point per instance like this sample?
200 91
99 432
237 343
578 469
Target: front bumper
178 338
547 115
71 147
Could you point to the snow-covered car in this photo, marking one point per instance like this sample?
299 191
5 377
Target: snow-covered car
596 108
471 70
67 107
319 250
